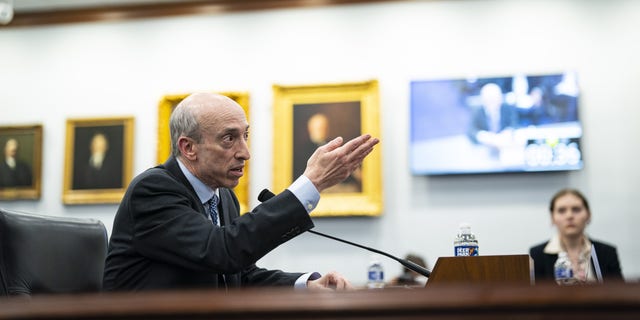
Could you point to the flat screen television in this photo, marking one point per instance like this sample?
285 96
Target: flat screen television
519 123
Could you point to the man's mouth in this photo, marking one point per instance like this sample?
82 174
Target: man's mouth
238 171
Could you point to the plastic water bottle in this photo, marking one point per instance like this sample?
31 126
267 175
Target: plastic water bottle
562 270
375 275
465 243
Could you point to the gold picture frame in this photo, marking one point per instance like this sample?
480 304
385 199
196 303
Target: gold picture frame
165 108
311 115
20 177
98 162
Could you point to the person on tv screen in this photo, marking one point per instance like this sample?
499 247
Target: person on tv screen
179 225
492 121
14 172
591 260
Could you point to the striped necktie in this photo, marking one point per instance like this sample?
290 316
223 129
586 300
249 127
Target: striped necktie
213 208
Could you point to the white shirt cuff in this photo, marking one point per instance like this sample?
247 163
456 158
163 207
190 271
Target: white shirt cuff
306 193
301 282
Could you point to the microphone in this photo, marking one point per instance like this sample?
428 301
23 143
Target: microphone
266 195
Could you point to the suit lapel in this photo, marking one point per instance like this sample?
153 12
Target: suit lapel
229 212
171 165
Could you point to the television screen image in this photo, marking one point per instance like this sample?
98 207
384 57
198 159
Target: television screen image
519 123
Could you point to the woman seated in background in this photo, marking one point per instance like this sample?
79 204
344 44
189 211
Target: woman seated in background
591 261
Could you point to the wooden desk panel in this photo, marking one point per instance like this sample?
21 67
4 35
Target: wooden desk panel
514 269
544 301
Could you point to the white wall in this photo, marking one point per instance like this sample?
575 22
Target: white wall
51 73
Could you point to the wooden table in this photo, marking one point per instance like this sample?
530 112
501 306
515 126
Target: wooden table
542 301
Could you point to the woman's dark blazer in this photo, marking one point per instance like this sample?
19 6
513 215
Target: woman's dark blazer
162 238
607 258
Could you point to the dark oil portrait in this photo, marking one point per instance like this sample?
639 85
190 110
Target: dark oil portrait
316 124
98 158
16 167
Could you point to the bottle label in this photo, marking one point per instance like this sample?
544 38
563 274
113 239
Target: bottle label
563 273
375 275
465 251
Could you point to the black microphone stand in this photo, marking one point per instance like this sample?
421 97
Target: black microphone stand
410 265
266 194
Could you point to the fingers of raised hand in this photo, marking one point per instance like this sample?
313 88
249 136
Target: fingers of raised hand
333 144
356 142
357 155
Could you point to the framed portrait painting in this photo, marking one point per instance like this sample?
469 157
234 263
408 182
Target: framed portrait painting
165 108
21 162
306 117
98 160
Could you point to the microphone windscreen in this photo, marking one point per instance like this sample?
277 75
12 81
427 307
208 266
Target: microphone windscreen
265 195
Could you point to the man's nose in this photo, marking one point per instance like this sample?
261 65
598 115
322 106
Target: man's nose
243 152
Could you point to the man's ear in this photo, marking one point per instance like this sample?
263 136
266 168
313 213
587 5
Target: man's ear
187 148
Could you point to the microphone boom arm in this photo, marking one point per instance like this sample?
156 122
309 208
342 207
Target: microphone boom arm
410 265
266 194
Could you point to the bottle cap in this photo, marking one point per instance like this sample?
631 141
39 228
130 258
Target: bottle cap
465 226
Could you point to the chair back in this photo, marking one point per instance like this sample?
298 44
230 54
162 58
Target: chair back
50 254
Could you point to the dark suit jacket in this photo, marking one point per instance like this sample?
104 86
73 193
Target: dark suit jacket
162 239
480 120
20 176
109 176
607 258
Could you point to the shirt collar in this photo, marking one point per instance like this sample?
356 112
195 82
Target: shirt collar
203 191
555 246
11 162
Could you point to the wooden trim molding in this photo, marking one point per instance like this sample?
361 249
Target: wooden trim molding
163 9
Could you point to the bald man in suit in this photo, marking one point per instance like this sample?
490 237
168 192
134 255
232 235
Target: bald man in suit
167 234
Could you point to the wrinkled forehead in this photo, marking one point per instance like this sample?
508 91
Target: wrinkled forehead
223 115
